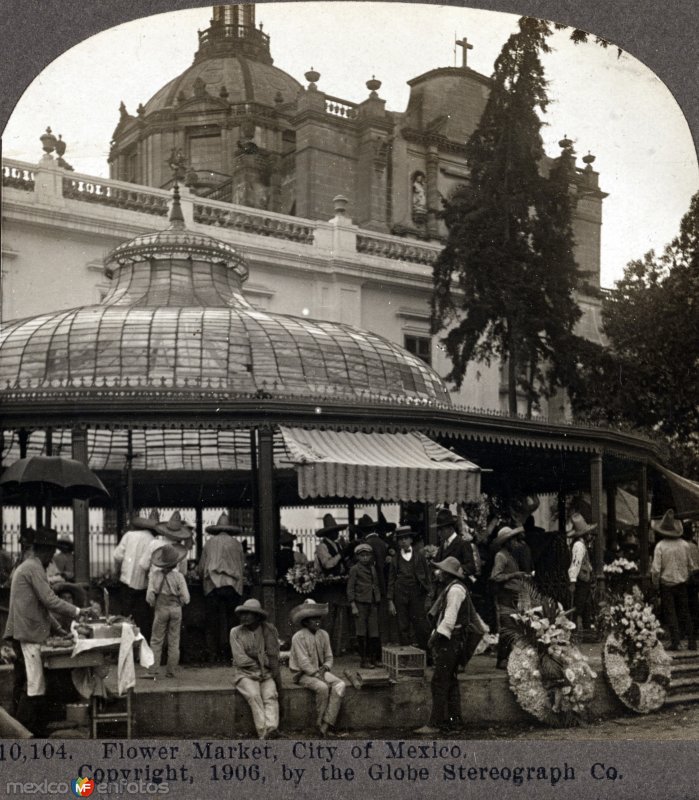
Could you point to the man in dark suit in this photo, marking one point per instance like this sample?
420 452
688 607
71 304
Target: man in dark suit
368 531
409 585
285 556
452 545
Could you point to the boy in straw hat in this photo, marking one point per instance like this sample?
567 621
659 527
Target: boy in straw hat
256 674
673 565
311 660
580 572
456 634
167 593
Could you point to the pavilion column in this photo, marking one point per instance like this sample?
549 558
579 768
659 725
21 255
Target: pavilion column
562 512
611 517
23 437
430 519
81 516
596 498
48 511
199 530
268 535
643 521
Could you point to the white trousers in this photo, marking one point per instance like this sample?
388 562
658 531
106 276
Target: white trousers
329 693
36 680
263 700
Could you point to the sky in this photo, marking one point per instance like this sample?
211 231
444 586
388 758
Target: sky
613 107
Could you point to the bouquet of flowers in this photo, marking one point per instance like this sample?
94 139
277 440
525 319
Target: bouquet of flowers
636 664
620 566
549 676
430 551
303 578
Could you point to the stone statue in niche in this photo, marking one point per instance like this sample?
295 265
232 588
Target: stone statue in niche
419 197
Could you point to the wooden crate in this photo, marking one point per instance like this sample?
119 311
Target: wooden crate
404 661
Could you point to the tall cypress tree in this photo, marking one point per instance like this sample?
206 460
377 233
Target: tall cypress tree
509 249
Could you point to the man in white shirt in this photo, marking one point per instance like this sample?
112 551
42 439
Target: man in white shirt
673 564
132 547
580 572
221 569
457 631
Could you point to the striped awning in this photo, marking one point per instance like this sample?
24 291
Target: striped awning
685 493
379 466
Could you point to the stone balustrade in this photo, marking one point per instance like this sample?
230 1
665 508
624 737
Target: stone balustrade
252 221
17 176
97 192
340 108
397 249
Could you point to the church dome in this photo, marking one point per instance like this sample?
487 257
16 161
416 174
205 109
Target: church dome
233 61
176 317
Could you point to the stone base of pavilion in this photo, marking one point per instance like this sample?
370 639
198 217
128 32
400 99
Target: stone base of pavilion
202 703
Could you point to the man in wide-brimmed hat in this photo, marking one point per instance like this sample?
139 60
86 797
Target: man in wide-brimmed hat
255 649
285 555
457 631
369 531
506 577
176 532
329 560
133 545
409 586
167 593
672 568
221 569
30 622
311 662
580 572
451 544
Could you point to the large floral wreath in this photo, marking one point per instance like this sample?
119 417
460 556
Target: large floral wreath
635 662
549 676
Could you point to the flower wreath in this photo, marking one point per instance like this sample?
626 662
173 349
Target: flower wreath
550 677
637 667
302 578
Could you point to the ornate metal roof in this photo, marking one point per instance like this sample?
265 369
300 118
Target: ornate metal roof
175 316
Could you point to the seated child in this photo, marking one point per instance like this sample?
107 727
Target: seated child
311 660
364 595
167 593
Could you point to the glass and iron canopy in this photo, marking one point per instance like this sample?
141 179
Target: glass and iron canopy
175 317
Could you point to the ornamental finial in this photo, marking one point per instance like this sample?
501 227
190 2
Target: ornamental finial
176 216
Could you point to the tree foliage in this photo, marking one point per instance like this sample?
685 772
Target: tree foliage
648 377
509 250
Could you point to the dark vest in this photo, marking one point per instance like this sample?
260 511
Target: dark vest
406 574
333 549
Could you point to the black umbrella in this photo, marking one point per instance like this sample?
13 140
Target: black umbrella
52 476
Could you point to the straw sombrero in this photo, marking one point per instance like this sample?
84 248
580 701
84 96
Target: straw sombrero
309 608
578 526
329 526
175 528
504 535
146 523
451 566
224 525
252 606
668 525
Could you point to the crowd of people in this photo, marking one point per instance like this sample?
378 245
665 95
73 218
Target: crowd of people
441 598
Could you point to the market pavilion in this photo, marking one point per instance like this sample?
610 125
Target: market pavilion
178 392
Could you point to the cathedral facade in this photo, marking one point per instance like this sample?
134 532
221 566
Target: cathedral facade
336 204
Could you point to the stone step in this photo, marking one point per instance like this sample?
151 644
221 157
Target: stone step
684 655
679 699
679 685
685 670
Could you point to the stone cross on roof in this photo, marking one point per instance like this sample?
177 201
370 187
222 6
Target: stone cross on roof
466 47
